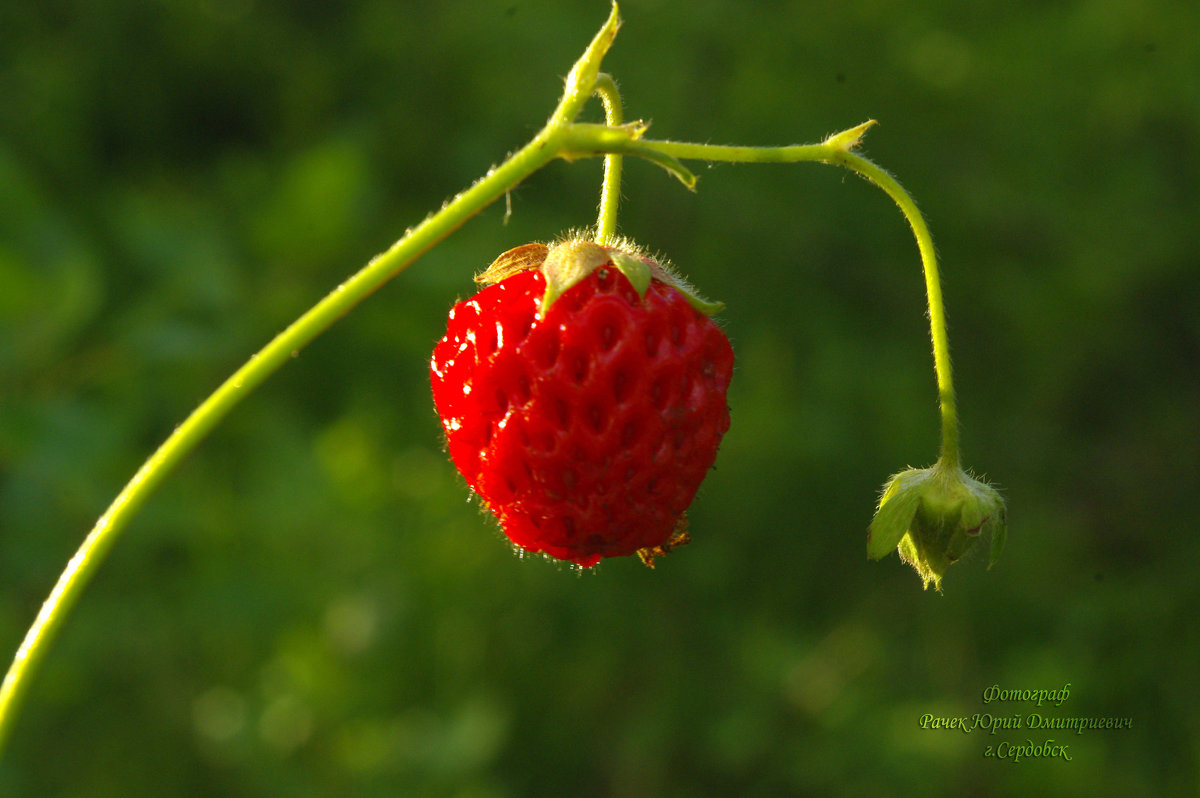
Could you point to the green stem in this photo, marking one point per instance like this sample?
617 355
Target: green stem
610 194
546 146
933 289
838 150
581 81
261 365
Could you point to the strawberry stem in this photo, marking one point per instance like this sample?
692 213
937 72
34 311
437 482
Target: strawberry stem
610 194
937 311
837 149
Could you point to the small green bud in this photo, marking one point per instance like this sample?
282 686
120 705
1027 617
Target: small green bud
934 516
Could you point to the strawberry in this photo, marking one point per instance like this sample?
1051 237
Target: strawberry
582 394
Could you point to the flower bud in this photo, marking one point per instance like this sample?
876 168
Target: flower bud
934 516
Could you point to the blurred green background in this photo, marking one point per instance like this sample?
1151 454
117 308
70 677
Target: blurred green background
311 605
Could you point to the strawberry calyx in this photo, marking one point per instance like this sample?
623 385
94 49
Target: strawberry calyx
570 261
933 516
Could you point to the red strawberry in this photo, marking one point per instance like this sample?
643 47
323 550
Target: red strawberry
583 399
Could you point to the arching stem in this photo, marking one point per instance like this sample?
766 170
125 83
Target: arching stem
545 147
837 149
948 405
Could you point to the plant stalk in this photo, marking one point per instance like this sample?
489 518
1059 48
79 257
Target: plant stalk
610 193
839 150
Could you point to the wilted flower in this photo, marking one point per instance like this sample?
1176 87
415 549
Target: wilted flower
934 516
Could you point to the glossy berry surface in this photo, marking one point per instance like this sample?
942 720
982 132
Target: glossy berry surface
585 431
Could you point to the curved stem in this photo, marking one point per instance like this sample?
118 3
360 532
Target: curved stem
261 365
838 150
610 193
547 145
933 289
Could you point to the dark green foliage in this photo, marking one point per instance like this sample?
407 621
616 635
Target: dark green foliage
310 606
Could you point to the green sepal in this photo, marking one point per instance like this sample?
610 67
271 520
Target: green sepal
911 554
702 305
567 264
634 268
897 507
